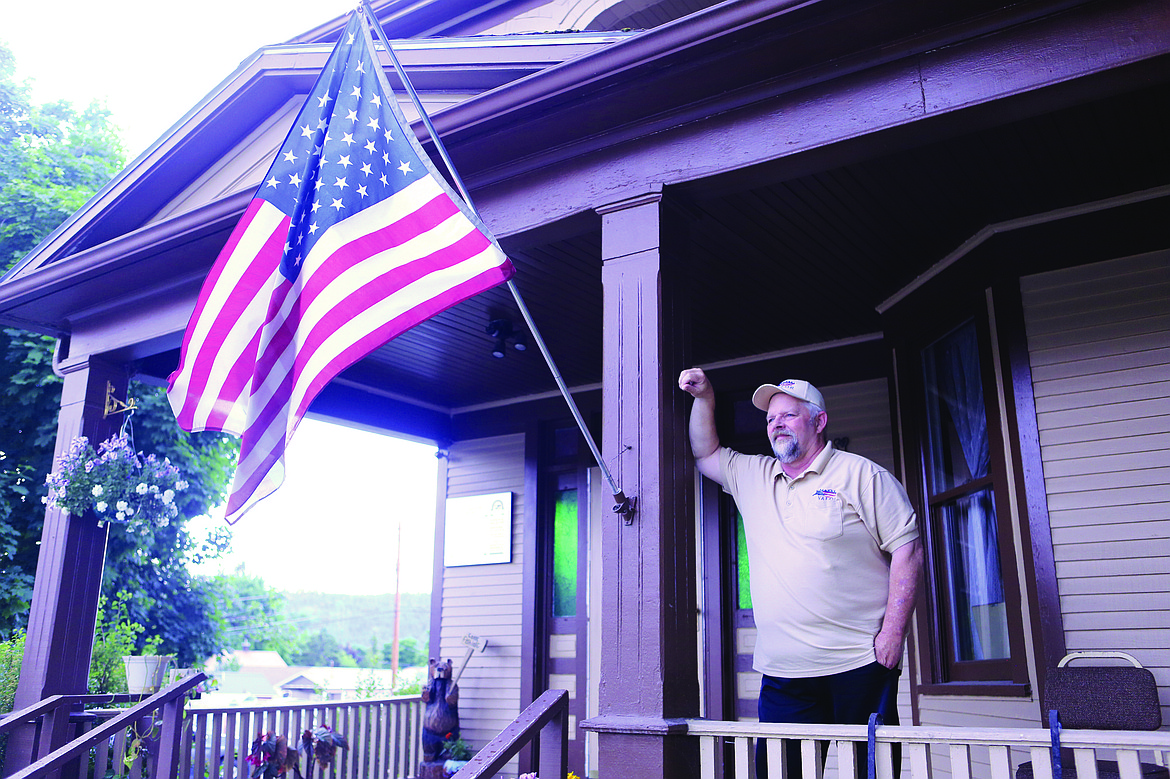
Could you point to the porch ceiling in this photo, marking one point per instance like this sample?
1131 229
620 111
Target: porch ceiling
799 260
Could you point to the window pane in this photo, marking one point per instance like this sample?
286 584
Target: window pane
742 575
957 446
565 554
978 616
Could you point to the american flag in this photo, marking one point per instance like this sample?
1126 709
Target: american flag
351 239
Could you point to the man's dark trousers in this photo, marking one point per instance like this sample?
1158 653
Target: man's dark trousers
847 698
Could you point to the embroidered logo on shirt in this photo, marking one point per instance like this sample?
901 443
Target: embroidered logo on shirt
825 494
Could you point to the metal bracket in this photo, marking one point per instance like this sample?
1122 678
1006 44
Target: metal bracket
626 507
115 406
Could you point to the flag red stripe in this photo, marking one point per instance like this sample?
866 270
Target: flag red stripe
252 283
400 324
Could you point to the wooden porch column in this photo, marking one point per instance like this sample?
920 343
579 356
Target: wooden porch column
61 621
649 633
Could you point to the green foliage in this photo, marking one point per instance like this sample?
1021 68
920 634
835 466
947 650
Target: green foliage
253 614
115 636
167 599
368 686
11 656
53 158
411 652
322 649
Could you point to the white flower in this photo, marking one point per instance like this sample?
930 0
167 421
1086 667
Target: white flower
141 488
154 489
101 506
167 497
97 490
181 484
120 517
129 511
122 506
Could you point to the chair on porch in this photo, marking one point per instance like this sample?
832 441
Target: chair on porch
1099 697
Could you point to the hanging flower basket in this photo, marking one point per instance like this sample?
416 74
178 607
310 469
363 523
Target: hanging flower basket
117 484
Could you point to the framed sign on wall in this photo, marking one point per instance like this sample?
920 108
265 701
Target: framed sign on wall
478 530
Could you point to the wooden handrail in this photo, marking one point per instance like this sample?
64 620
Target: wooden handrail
75 748
29 713
547 717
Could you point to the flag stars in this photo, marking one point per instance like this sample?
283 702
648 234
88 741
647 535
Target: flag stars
272 182
387 134
323 101
373 123
294 179
337 204
370 146
351 116
348 139
290 157
362 190
357 91
405 168
376 100
341 182
366 169
344 161
307 132
382 178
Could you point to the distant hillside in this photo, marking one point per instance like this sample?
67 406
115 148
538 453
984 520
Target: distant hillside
356 619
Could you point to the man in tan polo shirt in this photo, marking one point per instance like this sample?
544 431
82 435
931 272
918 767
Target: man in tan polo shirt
835 560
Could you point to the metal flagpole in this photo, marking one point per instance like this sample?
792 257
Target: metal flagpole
623 505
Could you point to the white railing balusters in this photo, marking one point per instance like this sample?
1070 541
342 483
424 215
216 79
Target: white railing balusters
383 735
968 753
1001 761
918 757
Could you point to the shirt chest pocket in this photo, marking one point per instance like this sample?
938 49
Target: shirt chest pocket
822 518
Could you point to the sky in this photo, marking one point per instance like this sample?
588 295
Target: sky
333 526
150 61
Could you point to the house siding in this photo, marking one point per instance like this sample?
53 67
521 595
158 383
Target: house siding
1099 344
486 600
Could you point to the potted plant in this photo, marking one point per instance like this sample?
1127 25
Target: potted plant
145 672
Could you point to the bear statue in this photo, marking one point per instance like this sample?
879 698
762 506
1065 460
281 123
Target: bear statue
441 715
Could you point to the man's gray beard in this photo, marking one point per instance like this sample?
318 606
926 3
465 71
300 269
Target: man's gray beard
786 449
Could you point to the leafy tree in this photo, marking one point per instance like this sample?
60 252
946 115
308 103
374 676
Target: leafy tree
411 652
253 614
53 158
322 649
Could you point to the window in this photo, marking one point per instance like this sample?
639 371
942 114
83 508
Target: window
959 492
971 634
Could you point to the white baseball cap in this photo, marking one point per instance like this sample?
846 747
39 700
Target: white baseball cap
797 388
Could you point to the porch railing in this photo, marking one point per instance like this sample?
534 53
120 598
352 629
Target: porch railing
727 749
384 736
544 724
70 742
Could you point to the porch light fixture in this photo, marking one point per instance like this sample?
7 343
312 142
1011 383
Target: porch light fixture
503 331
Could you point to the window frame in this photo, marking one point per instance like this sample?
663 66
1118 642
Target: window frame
925 325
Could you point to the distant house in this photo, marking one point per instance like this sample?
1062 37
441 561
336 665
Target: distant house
264 675
951 217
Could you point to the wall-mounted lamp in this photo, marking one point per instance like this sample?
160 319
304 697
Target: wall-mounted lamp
502 331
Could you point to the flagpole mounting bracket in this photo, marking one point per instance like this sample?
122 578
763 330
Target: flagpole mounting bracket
626 507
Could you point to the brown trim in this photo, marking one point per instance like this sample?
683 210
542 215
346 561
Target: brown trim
1047 619
716 625
985 689
946 311
531 650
